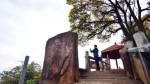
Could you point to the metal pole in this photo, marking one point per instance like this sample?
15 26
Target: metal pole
23 73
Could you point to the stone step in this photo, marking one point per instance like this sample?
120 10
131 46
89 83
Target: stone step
109 72
106 80
106 74
107 77
99 77
102 77
109 82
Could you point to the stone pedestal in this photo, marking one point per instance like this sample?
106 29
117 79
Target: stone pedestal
61 60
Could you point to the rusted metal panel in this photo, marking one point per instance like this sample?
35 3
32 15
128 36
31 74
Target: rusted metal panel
61 60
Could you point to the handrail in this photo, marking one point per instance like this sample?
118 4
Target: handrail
100 60
87 62
144 48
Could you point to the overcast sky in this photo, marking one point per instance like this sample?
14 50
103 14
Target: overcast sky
26 25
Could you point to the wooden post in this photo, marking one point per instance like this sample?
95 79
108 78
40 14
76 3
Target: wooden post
108 60
102 66
87 61
116 63
22 77
106 66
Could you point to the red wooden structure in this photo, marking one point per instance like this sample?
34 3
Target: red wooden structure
112 52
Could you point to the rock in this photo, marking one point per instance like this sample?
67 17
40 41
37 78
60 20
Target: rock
61 60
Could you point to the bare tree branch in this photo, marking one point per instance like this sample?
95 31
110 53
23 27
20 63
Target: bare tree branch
115 30
139 9
112 21
145 9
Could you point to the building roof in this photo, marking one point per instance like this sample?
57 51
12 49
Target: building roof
112 51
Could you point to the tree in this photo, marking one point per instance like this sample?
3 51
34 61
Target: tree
102 18
147 24
146 27
33 73
12 76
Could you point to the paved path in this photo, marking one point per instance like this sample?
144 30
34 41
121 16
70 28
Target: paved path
107 77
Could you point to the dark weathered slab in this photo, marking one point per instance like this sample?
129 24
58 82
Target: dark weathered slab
61 60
